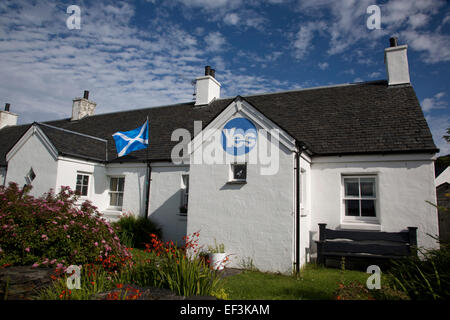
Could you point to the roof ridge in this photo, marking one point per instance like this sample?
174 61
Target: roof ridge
317 88
227 98
73 132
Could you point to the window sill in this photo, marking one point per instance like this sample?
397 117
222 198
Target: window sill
112 214
369 226
237 182
113 210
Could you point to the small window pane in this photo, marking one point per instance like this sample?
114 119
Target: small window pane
121 183
78 188
113 199
113 184
351 187
367 187
84 191
240 171
32 174
119 199
352 208
79 178
85 180
368 208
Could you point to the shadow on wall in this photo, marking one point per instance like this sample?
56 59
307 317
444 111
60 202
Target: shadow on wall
167 215
232 186
102 186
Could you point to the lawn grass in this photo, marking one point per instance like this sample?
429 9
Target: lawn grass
313 283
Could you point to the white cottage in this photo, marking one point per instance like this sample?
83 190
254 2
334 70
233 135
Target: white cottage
257 173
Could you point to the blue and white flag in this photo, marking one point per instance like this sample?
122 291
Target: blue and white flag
132 140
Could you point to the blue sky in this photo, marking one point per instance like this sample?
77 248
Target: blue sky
136 54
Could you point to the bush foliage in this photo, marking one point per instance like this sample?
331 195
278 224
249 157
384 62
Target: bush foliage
135 232
427 278
52 230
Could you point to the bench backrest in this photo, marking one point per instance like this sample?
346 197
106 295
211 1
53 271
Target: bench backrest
372 242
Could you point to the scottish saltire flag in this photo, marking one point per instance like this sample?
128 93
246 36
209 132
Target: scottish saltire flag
128 141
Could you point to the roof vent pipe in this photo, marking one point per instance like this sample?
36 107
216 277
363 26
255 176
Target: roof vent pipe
210 72
86 95
393 42
207 70
7 105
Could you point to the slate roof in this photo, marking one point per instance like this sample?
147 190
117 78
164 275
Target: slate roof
360 118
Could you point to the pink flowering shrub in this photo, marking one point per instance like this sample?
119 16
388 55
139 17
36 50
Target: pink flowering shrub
52 230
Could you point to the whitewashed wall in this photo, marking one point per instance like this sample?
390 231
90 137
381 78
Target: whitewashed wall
134 189
68 169
255 221
99 174
33 154
405 182
165 200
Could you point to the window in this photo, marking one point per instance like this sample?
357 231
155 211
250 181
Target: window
116 187
82 184
360 197
184 193
30 176
238 172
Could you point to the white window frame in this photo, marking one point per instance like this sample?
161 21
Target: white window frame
350 219
231 178
89 175
112 207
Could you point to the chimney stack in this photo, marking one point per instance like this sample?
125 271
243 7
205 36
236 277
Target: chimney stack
207 88
7 118
82 107
396 60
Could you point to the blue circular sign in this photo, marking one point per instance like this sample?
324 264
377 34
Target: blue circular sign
239 136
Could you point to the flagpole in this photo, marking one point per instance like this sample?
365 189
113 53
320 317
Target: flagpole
147 180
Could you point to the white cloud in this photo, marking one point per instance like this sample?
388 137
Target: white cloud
374 74
434 102
211 5
231 18
44 65
215 41
302 43
323 65
434 47
345 26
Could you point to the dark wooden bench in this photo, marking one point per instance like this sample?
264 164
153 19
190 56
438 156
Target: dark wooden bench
368 245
